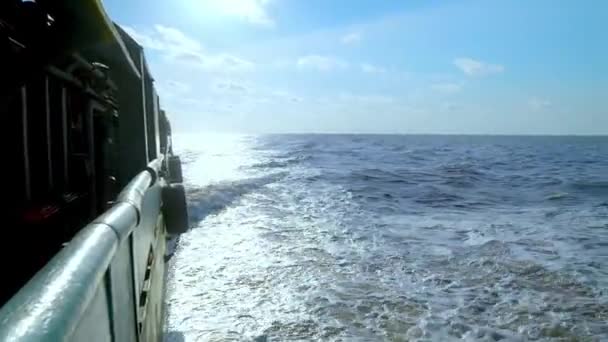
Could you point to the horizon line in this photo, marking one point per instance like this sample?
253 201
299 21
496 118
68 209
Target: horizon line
591 135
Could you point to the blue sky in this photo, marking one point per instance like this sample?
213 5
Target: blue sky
420 66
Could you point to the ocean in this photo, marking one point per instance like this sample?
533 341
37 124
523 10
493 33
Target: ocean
391 238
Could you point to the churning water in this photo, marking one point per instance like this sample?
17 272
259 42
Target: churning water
421 238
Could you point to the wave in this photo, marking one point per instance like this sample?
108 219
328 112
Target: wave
557 196
375 175
280 162
188 157
270 165
214 198
593 187
462 169
461 175
395 176
435 197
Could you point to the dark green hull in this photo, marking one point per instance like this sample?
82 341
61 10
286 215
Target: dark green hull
94 181
107 284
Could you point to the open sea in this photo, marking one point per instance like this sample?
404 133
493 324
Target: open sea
391 238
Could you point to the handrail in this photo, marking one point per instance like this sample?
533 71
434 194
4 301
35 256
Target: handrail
155 167
50 305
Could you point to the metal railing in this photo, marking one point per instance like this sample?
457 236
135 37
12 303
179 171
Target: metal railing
51 305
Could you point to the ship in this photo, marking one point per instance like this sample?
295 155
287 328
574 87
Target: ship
93 191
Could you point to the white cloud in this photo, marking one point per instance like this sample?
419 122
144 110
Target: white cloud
190 101
163 38
144 40
372 69
211 62
323 63
179 47
448 88
230 86
217 62
172 90
351 38
365 98
187 57
177 86
252 11
536 103
175 39
473 67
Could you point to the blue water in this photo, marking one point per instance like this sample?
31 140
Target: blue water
421 238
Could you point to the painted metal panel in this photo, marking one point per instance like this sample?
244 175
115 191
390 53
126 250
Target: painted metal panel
61 292
95 325
123 295
143 235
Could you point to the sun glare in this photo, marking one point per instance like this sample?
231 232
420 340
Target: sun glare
252 11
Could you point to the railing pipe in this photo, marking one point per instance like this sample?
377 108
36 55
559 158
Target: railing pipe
50 306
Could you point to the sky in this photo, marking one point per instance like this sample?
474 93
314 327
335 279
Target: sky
363 66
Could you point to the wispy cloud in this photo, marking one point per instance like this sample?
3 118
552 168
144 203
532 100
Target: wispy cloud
173 89
214 62
372 69
365 98
163 38
231 86
173 38
179 47
472 67
351 38
322 63
447 87
536 103
145 40
177 86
